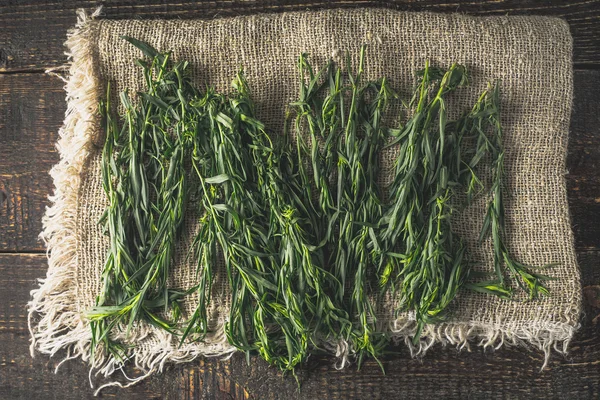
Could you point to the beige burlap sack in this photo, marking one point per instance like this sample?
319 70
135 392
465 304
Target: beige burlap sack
530 55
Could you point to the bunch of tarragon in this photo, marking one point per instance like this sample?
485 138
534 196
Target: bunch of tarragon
308 238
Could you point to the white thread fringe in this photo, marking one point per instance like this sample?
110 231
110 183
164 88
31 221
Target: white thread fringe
543 336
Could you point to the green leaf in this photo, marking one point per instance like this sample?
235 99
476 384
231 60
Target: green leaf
147 49
214 180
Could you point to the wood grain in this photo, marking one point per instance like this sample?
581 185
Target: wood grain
583 161
23 377
32 107
443 372
33 31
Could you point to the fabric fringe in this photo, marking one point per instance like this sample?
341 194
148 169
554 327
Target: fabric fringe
55 324
544 337
60 325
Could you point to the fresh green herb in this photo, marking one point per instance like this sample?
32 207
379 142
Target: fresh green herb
488 111
430 267
145 180
431 170
343 147
299 220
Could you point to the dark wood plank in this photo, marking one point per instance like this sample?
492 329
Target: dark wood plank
22 377
33 31
443 373
32 108
583 161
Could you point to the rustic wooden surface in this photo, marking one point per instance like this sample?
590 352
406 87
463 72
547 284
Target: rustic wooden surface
32 108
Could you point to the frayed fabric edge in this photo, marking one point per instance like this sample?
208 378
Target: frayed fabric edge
543 336
54 322
60 325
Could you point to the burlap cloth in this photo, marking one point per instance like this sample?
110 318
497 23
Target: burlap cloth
530 55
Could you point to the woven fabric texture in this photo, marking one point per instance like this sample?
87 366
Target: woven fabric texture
531 56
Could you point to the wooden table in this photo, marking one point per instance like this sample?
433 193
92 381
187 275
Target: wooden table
32 106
